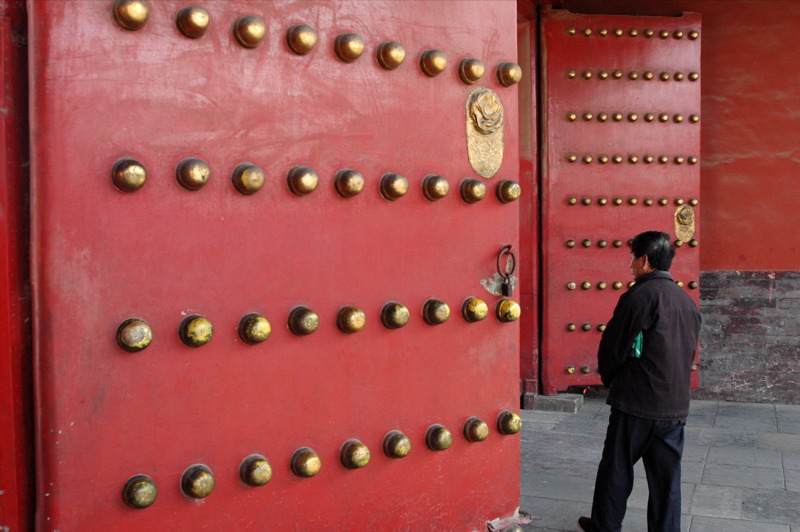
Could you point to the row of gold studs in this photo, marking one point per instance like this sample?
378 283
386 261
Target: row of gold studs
586 327
633 32
198 481
129 175
633 75
586 369
633 159
135 334
633 200
617 285
570 370
249 32
632 117
587 243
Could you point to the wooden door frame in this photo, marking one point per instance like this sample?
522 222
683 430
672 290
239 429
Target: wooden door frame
16 360
529 235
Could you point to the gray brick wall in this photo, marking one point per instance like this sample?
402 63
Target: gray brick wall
750 340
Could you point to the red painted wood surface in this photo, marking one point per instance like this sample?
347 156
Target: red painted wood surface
564 50
101 256
749 134
527 37
16 395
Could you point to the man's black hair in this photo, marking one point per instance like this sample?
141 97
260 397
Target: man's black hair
657 246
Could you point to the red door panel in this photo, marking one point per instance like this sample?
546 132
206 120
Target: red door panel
162 253
16 408
621 135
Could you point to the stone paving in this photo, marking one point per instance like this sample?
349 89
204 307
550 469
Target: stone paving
741 468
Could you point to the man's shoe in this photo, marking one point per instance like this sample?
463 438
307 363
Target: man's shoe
585 524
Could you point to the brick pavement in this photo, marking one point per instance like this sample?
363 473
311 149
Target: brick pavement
741 468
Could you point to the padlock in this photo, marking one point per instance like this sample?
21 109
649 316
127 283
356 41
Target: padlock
505 287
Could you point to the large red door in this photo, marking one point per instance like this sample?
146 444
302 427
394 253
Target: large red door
621 141
203 178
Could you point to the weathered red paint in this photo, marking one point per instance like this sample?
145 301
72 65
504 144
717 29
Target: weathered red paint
16 396
101 256
743 127
562 179
527 36
749 133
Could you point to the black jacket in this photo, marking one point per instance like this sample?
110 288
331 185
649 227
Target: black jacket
656 385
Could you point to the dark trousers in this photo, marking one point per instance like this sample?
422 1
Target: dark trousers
660 445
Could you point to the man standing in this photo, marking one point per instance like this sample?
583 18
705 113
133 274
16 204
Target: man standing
645 359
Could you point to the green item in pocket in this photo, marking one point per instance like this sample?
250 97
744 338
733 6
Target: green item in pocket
636 348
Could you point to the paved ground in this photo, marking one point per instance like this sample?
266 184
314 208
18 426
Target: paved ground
741 468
